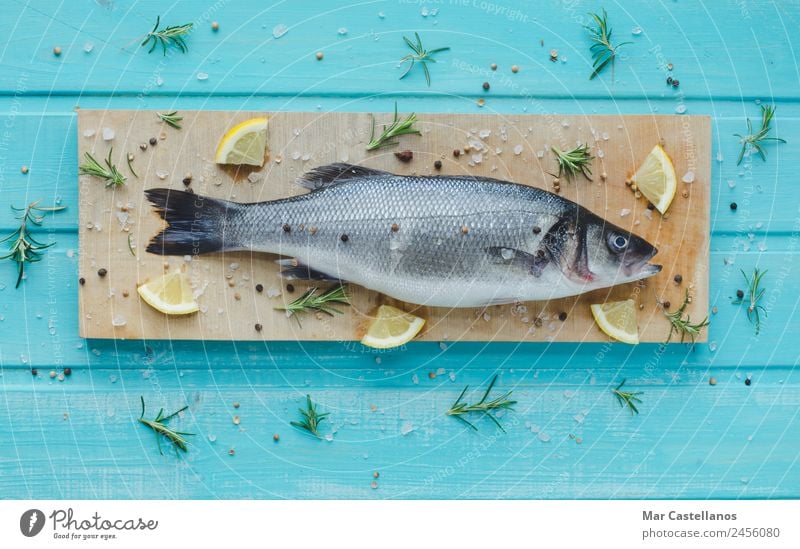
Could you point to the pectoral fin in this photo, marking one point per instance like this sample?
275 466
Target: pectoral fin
294 270
532 263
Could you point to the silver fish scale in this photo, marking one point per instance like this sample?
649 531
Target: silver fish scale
447 227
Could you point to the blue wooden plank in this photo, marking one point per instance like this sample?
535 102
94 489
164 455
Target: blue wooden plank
691 439
244 58
568 437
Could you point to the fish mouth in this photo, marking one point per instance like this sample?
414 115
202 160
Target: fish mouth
640 268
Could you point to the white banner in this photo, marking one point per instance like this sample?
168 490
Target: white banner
399 524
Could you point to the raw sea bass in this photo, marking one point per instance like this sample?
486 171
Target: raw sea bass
448 241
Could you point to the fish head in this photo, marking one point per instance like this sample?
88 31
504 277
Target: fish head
593 253
615 255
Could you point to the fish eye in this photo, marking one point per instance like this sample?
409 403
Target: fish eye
617 243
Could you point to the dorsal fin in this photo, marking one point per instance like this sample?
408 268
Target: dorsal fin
331 174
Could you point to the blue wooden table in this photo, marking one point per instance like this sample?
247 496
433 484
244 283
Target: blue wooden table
568 438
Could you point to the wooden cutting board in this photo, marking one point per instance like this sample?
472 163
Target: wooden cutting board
511 147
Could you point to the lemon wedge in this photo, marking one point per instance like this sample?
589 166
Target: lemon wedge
656 179
244 143
618 320
170 294
392 328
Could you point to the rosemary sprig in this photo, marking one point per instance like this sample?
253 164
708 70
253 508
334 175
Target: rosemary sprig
168 36
459 408
311 301
573 162
420 55
627 398
160 428
754 294
755 140
24 248
681 325
110 173
603 51
311 418
396 128
171 118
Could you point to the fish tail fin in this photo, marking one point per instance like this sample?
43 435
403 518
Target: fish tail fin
195 224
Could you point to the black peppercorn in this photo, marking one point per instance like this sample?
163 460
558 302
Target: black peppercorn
562 316
153 140
537 230
734 206
438 164
747 381
666 304
259 327
486 86
286 228
187 181
34 372
651 206
81 281
675 83
67 371
678 279
669 80
259 288
740 294
102 272
456 152
344 238
290 288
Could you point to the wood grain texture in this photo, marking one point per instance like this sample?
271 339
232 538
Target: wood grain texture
516 149
691 440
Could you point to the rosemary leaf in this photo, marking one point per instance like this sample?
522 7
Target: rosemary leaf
753 298
603 51
161 429
310 418
627 398
109 172
312 301
130 245
168 36
573 162
420 55
130 166
755 140
396 128
24 248
171 118
459 409
683 326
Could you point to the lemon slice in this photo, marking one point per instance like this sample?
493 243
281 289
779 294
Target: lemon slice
618 320
656 179
169 294
392 328
244 143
